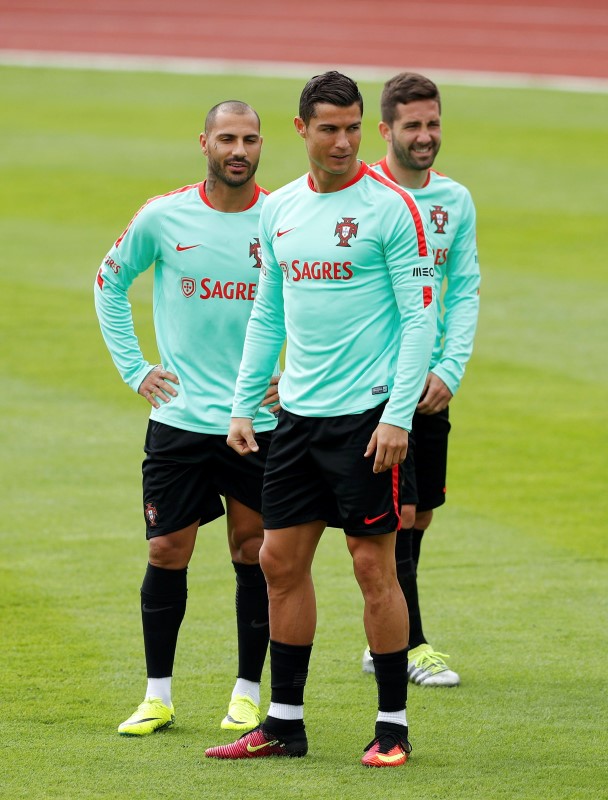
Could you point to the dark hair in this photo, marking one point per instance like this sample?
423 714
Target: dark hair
331 87
231 107
405 88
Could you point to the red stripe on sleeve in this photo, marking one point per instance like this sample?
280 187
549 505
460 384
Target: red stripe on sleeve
427 295
411 204
151 200
99 279
385 168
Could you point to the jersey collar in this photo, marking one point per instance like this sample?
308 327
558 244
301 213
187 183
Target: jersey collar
207 202
390 175
362 170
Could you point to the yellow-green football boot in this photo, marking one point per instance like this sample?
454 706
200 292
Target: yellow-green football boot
151 715
243 714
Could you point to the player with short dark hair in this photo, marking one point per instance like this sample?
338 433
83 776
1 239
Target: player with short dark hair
331 87
203 240
404 88
411 127
344 251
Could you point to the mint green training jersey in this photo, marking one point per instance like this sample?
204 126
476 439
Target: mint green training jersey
448 209
345 279
207 267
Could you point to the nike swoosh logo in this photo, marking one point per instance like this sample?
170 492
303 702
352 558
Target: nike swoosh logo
389 759
180 249
282 233
149 610
254 748
255 624
371 521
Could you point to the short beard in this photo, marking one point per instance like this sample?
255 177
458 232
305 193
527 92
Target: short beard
215 173
403 157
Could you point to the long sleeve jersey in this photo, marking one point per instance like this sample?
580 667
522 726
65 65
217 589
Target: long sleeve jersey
207 266
449 212
346 280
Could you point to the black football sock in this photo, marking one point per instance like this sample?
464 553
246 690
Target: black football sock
391 727
251 620
284 729
417 535
408 580
391 677
288 671
163 605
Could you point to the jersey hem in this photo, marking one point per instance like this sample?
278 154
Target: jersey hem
341 412
212 430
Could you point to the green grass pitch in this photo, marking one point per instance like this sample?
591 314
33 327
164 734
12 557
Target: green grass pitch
513 575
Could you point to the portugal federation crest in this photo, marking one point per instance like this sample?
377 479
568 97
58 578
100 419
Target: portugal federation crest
256 251
439 216
345 231
151 514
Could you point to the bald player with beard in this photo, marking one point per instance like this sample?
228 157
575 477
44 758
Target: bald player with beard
203 242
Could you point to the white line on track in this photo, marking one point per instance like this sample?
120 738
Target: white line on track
272 69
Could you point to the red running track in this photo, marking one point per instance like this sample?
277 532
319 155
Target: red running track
542 37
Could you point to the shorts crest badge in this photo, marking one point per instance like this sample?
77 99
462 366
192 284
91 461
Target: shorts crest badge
151 514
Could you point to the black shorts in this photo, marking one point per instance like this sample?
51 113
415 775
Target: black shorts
316 470
423 473
185 473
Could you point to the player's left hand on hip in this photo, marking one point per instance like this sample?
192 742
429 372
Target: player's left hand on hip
155 386
271 398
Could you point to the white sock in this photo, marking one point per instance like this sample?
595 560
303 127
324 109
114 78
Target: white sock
396 717
248 688
284 711
161 688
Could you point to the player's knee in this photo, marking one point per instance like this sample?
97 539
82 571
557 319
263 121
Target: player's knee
423 519
272 566
166 553
245 538
370 573
247 550
408 516
280 572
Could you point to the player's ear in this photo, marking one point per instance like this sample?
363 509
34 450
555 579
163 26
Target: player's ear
385 131
300 126
203 141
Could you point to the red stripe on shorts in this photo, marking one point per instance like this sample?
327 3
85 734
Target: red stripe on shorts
396 494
